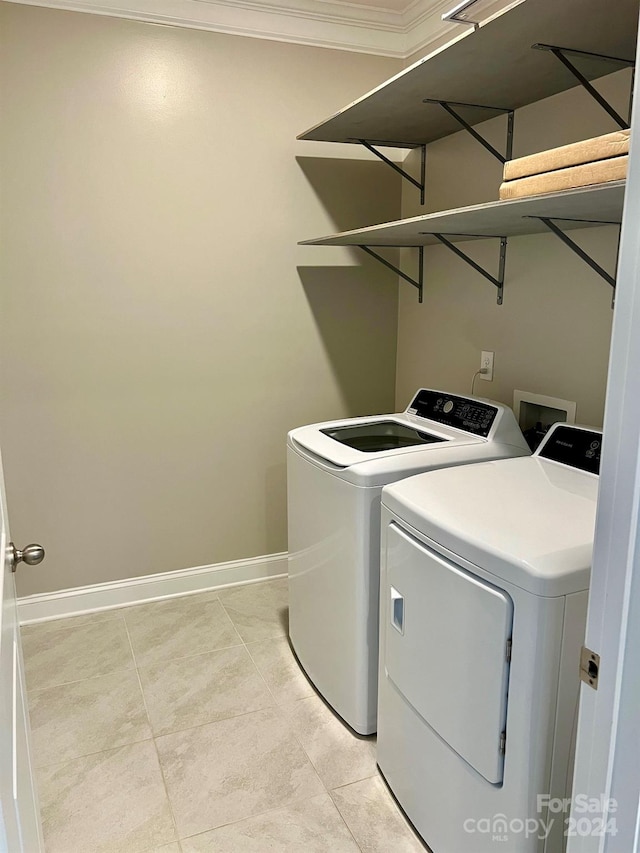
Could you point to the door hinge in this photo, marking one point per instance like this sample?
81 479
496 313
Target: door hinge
503 742
589 667
509 647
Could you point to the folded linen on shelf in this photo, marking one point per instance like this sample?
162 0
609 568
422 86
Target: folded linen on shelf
600 172
577 153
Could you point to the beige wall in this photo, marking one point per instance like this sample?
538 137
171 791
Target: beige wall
161 331
551 335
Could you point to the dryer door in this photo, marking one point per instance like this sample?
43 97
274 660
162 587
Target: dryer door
446 649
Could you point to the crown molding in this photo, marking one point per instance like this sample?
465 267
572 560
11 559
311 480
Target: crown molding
331 11
251 20
318 23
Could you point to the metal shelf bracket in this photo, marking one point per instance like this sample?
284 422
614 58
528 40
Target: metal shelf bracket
555 229
448 106
417 283
497 282
458 15
423 165
563 53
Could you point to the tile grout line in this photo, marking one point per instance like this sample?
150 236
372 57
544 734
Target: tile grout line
232 623
293 733
253 661
51 624
302 699
33 690
189 657
121 673
394 804
327 791
143 665
90 754
210 722
241 644
344 820
153 738
282 706
31 693
276 704
302 746
288 804
213 722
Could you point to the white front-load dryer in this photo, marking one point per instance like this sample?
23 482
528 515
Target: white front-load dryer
335 474
483 600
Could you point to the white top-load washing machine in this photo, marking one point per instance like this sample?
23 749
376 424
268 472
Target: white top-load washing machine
484 586
335 472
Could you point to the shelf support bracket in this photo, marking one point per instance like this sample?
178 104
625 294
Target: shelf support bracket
423 166
417 283
457 14
448 106
555 229
497 282
561 54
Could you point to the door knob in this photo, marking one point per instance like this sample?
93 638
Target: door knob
31 555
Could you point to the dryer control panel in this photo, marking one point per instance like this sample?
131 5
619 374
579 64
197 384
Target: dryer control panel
573 446
460 412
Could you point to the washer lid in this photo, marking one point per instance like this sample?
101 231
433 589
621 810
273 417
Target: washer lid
375 436
529 520
433 421
326 440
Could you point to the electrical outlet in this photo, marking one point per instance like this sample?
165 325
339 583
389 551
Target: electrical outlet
486 365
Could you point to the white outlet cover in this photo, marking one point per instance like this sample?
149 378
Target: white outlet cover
487 356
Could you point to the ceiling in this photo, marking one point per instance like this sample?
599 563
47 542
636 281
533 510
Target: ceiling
397 28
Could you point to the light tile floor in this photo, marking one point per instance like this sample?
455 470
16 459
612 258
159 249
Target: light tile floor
186 726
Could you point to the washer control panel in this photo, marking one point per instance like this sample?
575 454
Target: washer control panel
573 446
459 412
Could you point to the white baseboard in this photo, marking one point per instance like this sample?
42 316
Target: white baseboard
106 596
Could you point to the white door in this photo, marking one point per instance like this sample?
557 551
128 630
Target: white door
19 818
607 766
